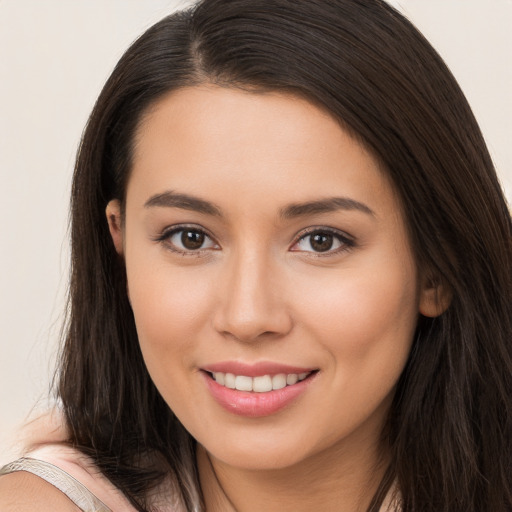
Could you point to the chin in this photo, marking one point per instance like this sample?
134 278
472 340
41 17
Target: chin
258 459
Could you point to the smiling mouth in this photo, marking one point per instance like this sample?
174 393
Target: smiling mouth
259 384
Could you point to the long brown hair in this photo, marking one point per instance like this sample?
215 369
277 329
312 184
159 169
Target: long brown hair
450 426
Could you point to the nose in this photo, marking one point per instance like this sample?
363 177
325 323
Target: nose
252 305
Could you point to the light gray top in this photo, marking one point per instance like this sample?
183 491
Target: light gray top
72 488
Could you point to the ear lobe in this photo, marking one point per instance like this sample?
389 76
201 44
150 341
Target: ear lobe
113 213
435 297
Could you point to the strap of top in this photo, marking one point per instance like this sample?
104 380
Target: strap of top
72 488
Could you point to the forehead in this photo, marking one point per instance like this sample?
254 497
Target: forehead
206 138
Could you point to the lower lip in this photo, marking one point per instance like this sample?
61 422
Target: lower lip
252 404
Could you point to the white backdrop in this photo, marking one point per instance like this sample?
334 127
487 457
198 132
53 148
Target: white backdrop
54 57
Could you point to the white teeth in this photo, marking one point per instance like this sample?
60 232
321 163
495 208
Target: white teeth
229 381
243 383
292 379
260 384
279 381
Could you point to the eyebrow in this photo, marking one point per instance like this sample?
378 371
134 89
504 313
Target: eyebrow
327 205
171 199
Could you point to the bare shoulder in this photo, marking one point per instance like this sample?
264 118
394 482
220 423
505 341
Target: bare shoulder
22 492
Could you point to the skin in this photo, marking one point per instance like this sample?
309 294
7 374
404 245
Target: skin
25 492
258 290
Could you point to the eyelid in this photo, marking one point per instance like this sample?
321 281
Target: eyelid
166 234
347 241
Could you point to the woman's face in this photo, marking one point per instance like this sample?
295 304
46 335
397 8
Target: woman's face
266 249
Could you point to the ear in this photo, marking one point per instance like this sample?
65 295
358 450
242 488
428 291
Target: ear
435 297
113 212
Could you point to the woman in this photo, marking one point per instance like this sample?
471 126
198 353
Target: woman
291 276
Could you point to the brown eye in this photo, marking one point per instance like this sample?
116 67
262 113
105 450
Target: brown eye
321 242
192 240
187 240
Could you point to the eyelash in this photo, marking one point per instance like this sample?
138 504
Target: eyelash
168 234
345 242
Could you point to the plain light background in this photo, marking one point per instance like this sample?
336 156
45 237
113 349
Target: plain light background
54 58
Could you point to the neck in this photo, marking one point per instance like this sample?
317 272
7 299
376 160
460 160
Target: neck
340 480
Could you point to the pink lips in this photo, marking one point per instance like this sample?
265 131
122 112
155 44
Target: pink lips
252 404
253 370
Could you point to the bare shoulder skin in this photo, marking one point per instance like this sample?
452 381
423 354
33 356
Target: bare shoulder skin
23 492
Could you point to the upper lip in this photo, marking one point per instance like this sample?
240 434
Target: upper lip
255 369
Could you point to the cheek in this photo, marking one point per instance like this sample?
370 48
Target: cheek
365 323
170 308
363 314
